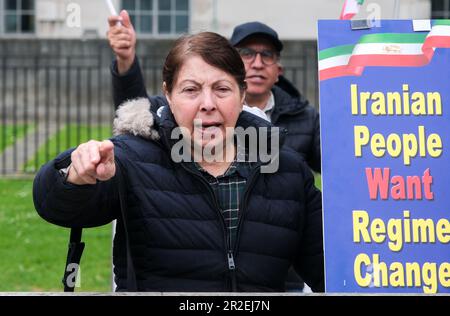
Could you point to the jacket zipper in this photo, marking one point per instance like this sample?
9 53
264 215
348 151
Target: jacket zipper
233 252
229 252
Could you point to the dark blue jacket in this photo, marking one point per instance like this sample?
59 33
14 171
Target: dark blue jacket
291 111
176 231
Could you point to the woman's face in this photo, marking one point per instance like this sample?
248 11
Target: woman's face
206 101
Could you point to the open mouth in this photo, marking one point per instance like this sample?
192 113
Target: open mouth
213 124
208 127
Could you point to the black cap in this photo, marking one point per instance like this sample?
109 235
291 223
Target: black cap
246 30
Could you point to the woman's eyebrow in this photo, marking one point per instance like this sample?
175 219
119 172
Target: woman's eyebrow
190 81
193 81
221 81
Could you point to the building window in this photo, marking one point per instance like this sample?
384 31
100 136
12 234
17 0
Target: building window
158 17
440 9
18 16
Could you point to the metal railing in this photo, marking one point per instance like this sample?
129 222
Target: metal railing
41 95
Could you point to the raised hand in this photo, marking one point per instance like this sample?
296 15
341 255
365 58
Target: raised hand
122 39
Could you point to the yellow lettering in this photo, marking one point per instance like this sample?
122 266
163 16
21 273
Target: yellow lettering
423 228
413 273
429 277
434 145
361 134
418 106
406 216
363 281
405 99
364 97
380 272
377 145
421 140
443 230
379 104
444 274
397 277
434 98
394 101
395 234
394 150
410 145
370 271
378 230
360 224
354 98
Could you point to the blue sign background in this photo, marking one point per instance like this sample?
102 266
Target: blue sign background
344 183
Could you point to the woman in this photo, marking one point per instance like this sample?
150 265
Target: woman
204 222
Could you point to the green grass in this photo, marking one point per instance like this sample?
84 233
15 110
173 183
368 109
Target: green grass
318 180
68 137
33 252
11 133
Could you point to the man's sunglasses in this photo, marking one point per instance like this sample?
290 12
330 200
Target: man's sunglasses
248 55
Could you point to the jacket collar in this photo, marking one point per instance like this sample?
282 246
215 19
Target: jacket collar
286 104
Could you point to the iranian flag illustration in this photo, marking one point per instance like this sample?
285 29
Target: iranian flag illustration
350 9
384 49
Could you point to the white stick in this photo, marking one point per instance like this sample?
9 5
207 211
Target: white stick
112 10
396 9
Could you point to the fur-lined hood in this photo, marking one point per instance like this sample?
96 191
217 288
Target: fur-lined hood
134 117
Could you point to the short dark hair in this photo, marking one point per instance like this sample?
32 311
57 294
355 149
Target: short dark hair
213 48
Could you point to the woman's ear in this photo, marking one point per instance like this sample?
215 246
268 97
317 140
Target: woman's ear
243 99
166 93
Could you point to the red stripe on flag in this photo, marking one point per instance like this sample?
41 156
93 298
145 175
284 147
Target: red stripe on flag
388 60
348 16
437 41
333 72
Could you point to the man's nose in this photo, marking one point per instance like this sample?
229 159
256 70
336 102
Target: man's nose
208 101
257 62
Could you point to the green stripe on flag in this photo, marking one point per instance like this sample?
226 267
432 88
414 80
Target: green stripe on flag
360 2
336 51
441 22
393 38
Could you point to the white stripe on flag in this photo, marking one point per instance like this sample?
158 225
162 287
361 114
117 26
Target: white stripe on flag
388 49
440 30
335 61
351 7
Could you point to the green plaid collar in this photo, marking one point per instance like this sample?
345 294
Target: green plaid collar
229 189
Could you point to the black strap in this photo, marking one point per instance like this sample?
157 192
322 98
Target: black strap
131 274
76 247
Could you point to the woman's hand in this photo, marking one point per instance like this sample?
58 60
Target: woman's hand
92 161
122 39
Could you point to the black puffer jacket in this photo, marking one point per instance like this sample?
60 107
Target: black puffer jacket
292 111
176 232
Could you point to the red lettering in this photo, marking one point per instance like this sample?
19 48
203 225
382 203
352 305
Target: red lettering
378 182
